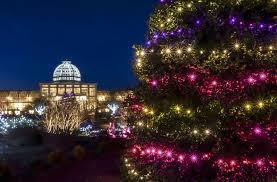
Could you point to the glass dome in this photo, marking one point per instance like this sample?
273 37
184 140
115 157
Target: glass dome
66 72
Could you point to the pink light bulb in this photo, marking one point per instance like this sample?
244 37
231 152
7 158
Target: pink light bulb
262 76
192 77
181 157
169 154
154 83
257 131
251 80
134 150
233 163
259 163
148 151
142 152
220 161
194 158
214 83
153 151
160 152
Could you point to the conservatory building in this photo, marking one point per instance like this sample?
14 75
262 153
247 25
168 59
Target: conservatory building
66 80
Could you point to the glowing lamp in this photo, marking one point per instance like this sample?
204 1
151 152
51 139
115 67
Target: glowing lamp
169 154
181 157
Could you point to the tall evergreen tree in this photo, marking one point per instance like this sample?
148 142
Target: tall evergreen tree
206 105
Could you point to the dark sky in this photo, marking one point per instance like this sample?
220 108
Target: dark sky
97 35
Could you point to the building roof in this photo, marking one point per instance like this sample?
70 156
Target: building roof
66 72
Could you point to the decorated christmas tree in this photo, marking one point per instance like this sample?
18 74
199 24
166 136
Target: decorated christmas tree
206 105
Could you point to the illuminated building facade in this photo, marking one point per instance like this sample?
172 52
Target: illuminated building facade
66 80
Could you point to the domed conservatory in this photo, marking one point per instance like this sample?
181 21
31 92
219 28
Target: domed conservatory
66 80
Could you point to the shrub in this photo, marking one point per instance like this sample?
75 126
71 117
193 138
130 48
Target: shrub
5 172
55 157
37 165
79 152
25 136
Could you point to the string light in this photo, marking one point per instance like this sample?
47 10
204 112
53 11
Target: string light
261 104
237 46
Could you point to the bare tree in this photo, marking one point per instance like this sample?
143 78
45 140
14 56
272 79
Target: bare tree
64 116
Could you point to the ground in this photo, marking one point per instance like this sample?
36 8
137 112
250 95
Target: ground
105 168
101 162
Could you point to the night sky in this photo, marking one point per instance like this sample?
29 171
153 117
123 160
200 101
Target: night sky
96 35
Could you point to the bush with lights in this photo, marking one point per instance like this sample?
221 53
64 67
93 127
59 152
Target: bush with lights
206 105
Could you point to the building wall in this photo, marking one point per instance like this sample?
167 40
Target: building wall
85 92
11 101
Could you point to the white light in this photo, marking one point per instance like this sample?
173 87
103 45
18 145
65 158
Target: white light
113 107
66 72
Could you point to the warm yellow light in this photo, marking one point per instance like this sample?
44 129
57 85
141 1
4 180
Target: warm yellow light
177 108
188 111
237 45
189 5
179 51
151 112
168 20
201 52
195 131
162 25
145 110
207 132
180 9
261 104
189 49
225 51
140 123
248 106
9 98
168 51
270 47
142 53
